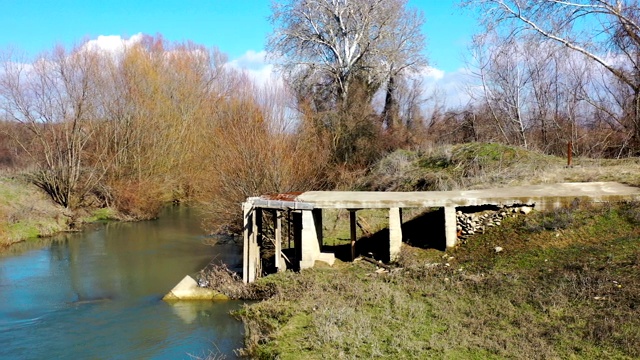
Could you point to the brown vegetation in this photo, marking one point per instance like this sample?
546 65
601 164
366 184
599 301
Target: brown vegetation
219 278
163 121
158 122
255 151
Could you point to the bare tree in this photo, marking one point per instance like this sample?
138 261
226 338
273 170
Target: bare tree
52 99
326 47
606 32
336 55
500 67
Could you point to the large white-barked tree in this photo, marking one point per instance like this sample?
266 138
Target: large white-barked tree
329 50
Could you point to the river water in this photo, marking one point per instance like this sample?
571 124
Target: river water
97 294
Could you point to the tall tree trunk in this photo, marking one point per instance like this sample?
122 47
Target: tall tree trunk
391 111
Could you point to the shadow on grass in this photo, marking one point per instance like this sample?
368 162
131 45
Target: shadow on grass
425 231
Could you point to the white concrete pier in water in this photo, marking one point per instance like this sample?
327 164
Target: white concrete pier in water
304 212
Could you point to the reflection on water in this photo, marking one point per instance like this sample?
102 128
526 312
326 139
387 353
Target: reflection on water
97 294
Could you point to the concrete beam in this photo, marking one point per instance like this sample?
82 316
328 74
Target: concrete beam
311 240
545 196
279 204
258 242
450 232
253 246
395 232
254 262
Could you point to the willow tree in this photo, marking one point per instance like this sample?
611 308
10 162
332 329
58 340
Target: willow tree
606 32
334 51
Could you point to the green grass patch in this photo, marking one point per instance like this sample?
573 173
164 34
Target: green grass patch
23 230
12 190
336 228
102 214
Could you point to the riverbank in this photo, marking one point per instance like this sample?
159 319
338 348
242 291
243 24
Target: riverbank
27 213
563 284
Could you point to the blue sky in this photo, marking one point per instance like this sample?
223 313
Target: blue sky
237 27
234 26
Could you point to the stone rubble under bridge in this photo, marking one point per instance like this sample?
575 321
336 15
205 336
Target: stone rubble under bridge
304 214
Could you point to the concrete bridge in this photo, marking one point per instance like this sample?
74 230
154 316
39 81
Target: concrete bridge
304 213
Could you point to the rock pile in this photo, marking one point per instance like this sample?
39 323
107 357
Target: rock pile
469 223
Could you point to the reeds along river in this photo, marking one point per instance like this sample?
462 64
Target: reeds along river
97 294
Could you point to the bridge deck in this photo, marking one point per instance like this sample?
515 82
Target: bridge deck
543 196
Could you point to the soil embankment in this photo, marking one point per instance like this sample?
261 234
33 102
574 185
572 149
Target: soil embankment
26 213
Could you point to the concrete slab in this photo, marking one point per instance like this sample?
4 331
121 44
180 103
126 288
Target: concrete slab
544 196
188 289
328 258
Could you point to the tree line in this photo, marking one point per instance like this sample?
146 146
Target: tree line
548 72
159 120
155 122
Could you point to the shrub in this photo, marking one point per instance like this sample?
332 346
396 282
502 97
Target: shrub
138 200
557 219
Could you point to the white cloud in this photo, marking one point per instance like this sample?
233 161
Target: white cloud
451 88
112 43
252 58
433 73
256 66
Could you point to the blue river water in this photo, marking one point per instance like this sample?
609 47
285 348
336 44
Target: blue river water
97 294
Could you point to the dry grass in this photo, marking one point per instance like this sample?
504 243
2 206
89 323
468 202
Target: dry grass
476 165
218 277
25 212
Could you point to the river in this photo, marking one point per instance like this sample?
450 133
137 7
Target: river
97 294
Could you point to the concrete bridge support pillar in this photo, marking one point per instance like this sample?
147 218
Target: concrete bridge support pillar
395 233
246 232
311 237
280 264
252 218
451 234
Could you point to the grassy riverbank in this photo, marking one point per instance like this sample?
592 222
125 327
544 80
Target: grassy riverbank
567 284
27 213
